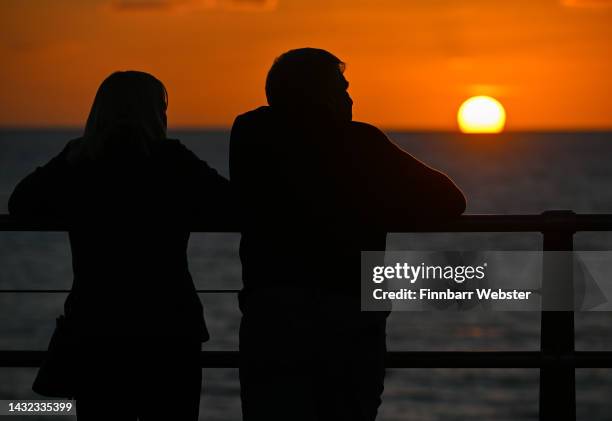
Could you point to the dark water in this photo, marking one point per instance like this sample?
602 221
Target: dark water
509 173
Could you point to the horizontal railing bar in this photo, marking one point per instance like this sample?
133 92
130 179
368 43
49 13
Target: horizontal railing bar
497 359
394 359
465 223
65 291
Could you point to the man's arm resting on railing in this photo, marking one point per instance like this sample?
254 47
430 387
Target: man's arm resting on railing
405 186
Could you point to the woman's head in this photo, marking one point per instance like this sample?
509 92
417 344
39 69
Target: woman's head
309 80
128 112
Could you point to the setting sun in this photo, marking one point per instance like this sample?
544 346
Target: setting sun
481 114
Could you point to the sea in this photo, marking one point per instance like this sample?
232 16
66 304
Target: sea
509 173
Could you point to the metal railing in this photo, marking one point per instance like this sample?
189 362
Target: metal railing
557 358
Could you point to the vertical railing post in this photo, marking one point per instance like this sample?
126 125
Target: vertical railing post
557 383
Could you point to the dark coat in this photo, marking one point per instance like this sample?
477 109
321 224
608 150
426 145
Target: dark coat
129 233
314 194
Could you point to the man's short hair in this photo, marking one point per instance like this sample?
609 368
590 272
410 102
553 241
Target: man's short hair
304 76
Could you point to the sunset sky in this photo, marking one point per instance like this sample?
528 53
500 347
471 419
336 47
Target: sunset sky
410 63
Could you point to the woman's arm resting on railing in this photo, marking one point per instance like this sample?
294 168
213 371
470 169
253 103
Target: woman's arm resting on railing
207 194
41 192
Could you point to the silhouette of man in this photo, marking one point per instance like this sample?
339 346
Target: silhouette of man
315 190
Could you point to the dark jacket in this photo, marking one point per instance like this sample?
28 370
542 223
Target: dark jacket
313 195
129 233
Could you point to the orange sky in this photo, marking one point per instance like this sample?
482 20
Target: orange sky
410 63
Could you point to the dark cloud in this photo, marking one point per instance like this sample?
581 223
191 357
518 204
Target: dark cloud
135 5
162 5
587 3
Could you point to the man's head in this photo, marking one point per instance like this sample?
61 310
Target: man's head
309 80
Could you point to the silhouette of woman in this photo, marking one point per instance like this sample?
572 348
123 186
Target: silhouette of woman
127 191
